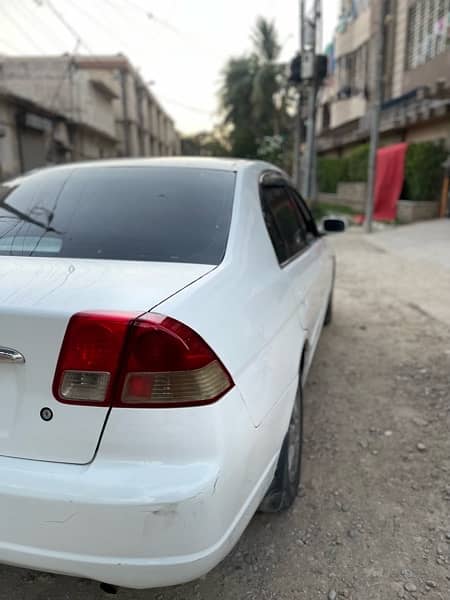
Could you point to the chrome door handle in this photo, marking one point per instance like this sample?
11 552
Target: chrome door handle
9 355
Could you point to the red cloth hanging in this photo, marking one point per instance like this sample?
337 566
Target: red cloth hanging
390 174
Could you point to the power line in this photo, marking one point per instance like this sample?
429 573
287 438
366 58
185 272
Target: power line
201 47
19 28
153 17
112 34
35 16
67 25
63 77
187 106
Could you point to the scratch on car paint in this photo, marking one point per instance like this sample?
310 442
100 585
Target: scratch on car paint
62 521
70 270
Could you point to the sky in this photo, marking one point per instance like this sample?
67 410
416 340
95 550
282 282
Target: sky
179 46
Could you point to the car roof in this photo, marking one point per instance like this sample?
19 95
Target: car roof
218 164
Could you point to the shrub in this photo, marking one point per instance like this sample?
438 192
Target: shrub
352 167
358 163
330 171
423 171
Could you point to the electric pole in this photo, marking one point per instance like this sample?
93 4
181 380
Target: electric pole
376 117
298 116
312 98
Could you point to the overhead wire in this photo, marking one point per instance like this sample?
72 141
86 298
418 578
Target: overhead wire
64 76
35 16
18 26
68 26
112 34
186 106
199 46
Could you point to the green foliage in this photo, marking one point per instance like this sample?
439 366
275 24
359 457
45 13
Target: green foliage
265 40
204 143
423 171
330 171
254 98
357 163
271 149
352 167
236 101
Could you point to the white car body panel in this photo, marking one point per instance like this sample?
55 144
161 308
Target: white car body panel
272 312
165 493
37 298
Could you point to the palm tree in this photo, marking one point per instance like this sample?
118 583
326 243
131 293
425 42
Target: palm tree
265 40
251 95
236 103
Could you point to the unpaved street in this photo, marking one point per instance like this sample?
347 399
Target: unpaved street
373 522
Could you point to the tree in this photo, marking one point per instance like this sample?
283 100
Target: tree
205 143
254 98
236 102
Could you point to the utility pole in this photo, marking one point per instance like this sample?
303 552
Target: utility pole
312 97
375 117
297 167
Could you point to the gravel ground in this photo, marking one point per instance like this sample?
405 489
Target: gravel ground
373 518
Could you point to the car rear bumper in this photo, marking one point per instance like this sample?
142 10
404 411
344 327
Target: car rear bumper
148 540
133 523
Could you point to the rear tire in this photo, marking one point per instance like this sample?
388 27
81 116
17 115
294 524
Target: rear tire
284 487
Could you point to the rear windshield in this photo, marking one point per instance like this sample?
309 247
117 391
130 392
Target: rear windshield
167 214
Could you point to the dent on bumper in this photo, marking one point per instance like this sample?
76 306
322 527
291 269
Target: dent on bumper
135 539
108 523
137 523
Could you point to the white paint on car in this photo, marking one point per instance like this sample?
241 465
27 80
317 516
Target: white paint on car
147 497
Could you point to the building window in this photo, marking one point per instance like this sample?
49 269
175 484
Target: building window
428 31
352 70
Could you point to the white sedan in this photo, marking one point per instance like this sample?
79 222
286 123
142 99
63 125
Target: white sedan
157 320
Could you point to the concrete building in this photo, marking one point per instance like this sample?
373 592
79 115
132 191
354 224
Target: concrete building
88 107
416 68
31 135
143 128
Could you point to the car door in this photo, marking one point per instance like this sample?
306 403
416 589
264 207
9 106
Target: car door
295 249
318 253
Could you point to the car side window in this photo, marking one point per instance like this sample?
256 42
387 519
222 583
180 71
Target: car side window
285 224
310 224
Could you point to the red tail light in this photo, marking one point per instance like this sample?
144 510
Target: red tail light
125 360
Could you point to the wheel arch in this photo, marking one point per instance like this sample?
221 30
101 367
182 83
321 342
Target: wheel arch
304 361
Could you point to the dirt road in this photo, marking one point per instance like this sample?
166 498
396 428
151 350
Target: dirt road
373 520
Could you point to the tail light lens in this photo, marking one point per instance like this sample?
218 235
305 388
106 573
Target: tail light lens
131 361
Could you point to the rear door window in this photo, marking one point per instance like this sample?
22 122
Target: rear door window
285 224
167 214
308 219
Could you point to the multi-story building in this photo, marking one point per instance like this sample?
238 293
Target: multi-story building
101 104
31 135
143 128
416 74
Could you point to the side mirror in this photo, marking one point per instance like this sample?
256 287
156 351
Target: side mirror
333 224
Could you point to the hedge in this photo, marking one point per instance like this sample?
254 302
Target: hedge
423 170
330 171
358 163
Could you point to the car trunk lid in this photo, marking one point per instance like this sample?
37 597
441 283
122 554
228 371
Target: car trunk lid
37 298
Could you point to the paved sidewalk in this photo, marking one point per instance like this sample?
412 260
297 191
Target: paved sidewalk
421 255
428 240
